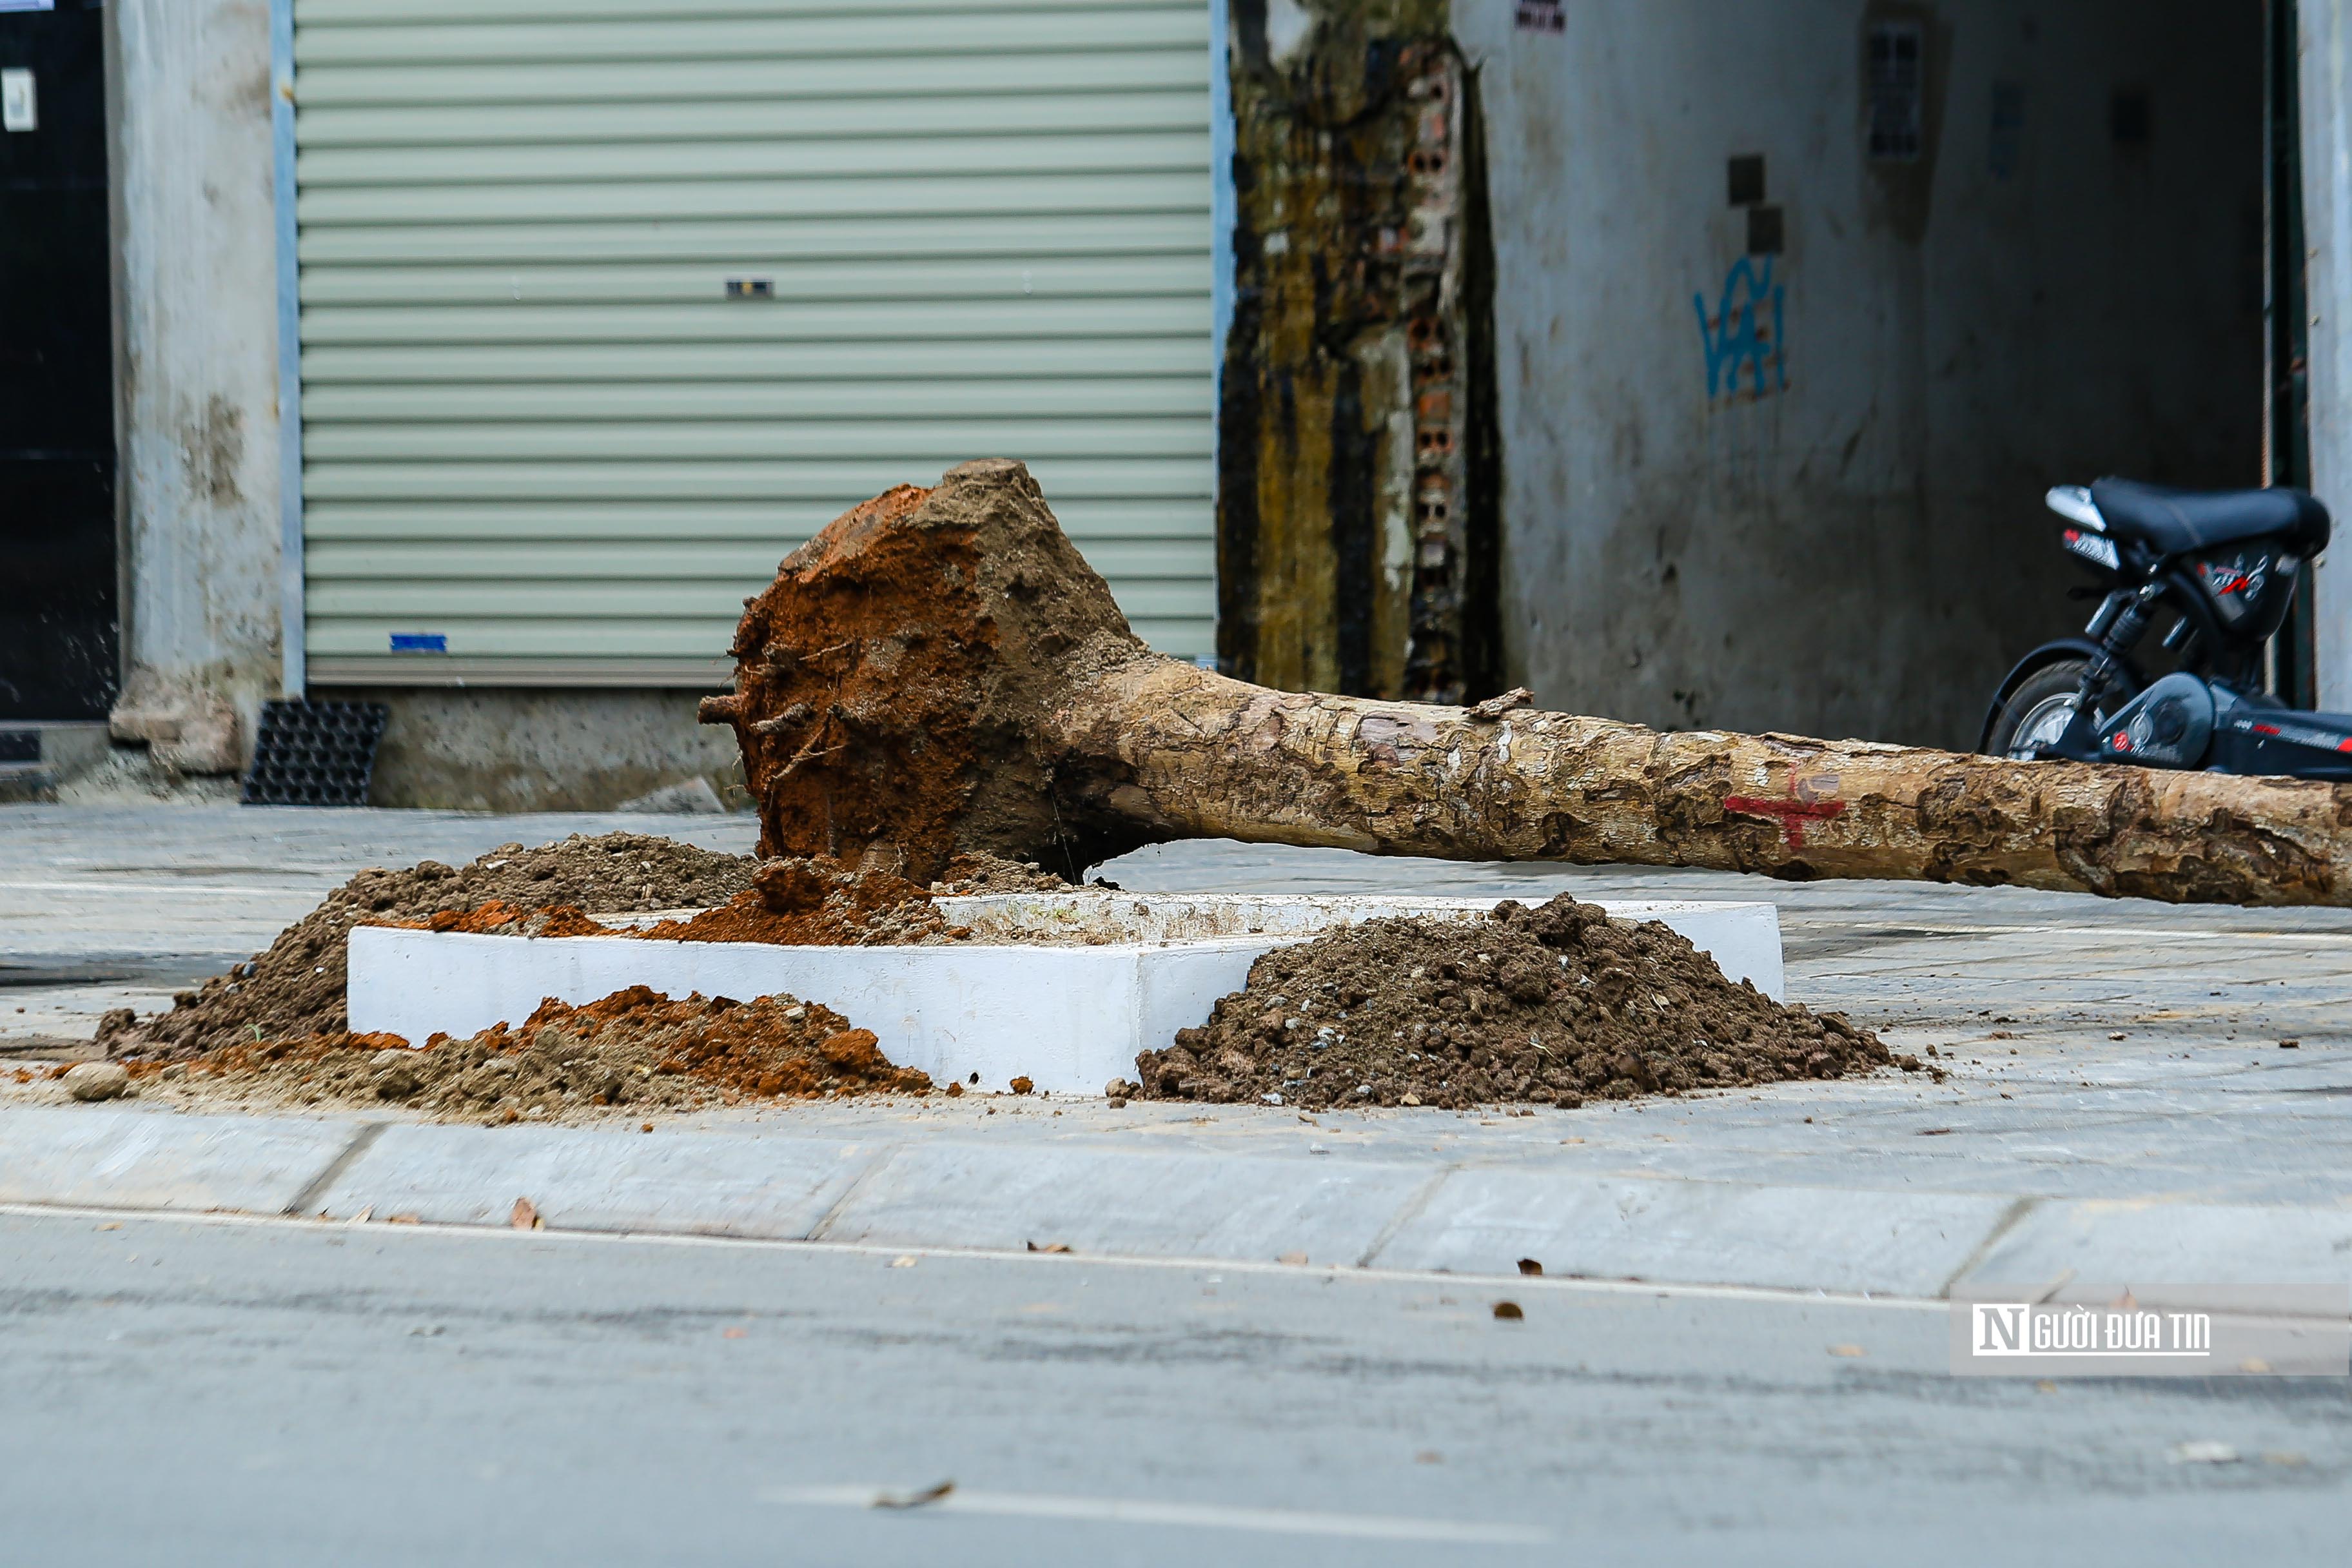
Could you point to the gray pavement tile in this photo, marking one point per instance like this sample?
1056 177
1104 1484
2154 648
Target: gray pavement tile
583 1178
1484 1221
1127 1203
144 1159
2164 1251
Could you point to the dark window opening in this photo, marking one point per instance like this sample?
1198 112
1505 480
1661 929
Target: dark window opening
2128 117
1747 180
1898 91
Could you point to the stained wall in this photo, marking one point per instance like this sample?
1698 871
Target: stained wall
1844 534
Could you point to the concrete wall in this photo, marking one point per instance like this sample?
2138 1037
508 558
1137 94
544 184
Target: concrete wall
480 749
1861 551
2326 84
198 358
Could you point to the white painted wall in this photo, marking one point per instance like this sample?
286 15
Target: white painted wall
197 290
1865 552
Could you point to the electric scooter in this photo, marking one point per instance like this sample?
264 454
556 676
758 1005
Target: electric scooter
2223 566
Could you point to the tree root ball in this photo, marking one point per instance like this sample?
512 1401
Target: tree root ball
890 683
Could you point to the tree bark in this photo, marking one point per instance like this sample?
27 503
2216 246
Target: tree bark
949 676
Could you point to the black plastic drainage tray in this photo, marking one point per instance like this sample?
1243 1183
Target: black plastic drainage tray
315 754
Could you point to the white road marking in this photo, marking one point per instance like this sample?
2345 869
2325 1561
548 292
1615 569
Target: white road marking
1560 1284
1180 1515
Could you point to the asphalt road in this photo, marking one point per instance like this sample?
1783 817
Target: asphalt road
265 1392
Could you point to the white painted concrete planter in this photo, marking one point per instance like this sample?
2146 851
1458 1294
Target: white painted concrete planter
1099 978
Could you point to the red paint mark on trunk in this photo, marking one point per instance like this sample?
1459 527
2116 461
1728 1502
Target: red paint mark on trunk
1790 814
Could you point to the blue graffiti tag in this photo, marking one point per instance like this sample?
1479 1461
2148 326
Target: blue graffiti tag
1738 335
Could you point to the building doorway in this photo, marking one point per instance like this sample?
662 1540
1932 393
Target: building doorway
60 631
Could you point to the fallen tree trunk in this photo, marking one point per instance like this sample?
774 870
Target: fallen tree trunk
940 672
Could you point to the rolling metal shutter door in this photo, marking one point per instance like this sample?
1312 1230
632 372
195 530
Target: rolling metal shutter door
535 426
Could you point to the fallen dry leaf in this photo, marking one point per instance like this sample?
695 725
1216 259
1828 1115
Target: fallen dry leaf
913 1500
1050 1247
1508 1312
1529 1265
525 1216
1848 1351
1293 1258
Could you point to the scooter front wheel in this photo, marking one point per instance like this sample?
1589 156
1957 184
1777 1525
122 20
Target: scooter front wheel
2037 713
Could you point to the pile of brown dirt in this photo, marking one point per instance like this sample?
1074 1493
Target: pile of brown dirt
1555 1005
816 903
995 874
296 989
807 903
635 1051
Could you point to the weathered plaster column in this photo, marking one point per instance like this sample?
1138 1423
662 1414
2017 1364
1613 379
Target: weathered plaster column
196 282
2326 85
1355 501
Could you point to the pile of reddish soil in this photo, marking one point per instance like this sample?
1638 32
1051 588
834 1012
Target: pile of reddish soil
635 1051
498 917
1554 1005
296 989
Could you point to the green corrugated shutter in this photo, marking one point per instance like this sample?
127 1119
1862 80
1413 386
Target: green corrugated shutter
535 426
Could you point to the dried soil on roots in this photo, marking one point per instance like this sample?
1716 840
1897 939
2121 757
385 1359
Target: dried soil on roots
892 684
1551 1005
633 1052
296 988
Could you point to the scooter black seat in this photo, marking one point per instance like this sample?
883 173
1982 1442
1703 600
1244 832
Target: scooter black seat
2178 522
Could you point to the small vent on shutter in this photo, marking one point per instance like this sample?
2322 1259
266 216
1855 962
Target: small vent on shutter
1897 78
